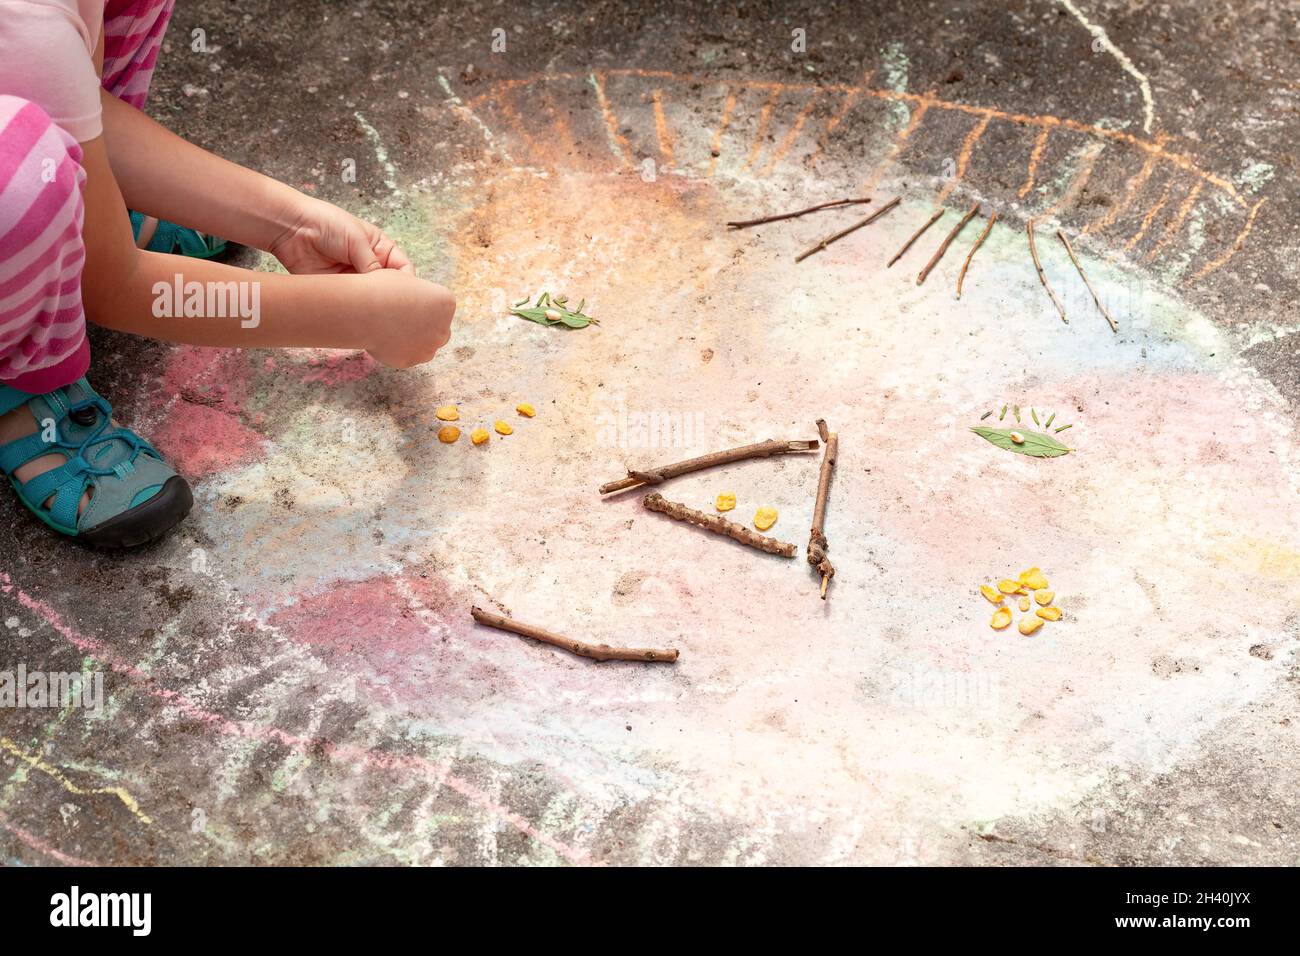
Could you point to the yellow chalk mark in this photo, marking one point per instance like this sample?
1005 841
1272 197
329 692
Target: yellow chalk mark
1131 190
896 149
1150 217
716 149
764 117
831 123
1176 225
1235 248
1270 561
788 140
36 763
1080 180
1035 155
617 141
963 156
661 129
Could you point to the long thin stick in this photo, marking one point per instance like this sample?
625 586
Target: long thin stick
597 652
915 236
961 277
844 232
1084 276
817 544
1033 251
737 532
943 246
763 449
746 223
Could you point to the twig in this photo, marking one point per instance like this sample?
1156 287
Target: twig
943 246
597 652
817 544
961 277
657 476
746 223
1084 276
737 532
1033 251
915 236
844 232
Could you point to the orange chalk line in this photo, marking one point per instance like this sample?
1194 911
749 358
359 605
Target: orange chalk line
1176 225
928 99
787 141
1040 143
1155 148
1131 190
1080 180
513 118
899 142
764 117
661 129
1236 246
562 128
611 121
1150 217
963 157
834 121
716 150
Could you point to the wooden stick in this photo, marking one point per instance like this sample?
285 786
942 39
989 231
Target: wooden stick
597 652
1084 276
817 544
1033 251
657 476
943 246
961 277
746 223
718 525
915 236
844 232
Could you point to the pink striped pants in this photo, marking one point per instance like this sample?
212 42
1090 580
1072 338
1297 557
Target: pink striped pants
42 323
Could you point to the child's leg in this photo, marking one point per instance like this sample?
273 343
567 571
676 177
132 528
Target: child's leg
73 466
42 325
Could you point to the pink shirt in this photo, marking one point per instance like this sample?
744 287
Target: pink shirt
47 55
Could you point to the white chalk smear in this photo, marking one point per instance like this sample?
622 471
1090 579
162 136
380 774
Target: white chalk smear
1148 104
381 154
471 117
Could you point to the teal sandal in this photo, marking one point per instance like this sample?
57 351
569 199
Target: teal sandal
178 240
135 496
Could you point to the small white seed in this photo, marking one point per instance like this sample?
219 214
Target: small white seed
553 315
1018 438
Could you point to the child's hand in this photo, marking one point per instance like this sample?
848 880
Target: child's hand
325 239
410 321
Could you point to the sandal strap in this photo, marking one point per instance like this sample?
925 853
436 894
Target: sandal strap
74 470
20 451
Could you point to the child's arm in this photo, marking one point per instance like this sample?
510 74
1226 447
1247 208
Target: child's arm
399 319
164 176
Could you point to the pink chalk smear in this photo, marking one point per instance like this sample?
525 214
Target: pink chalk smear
198 440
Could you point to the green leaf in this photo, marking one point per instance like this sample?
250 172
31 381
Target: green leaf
1036 444
573 318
